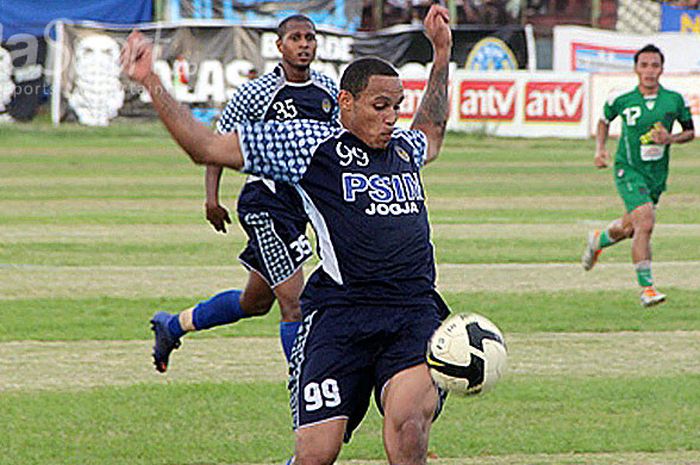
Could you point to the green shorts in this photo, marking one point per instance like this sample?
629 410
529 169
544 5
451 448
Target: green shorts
635 189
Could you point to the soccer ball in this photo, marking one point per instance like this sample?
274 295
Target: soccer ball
467 354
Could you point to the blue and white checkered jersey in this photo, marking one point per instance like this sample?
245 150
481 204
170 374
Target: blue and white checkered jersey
272 97
366 205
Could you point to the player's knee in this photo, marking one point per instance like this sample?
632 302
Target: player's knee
290 308
316 453
256 305
643 219
290 313
412 435
644 224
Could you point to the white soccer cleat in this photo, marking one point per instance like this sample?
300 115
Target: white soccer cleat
650 297
592 252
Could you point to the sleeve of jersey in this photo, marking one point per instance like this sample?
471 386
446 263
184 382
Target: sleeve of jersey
233 114
609 111
419 144
686 116
281 151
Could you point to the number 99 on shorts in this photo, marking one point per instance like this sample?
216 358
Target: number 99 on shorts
325 394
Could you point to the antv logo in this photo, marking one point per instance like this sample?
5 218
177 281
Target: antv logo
554 101
487 100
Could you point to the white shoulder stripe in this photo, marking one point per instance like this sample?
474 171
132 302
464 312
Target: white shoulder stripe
329 260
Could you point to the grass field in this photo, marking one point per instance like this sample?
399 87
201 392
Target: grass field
99 228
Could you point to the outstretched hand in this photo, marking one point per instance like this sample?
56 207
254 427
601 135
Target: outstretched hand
137 57
437 27
218 217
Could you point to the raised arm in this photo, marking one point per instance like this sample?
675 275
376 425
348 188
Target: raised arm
197 140
431 116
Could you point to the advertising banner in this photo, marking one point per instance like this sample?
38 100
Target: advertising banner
584 49
605 85
679 19
203 64
200 65
521 104
477 48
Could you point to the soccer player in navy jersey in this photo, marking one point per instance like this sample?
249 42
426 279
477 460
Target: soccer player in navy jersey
370 308
270 213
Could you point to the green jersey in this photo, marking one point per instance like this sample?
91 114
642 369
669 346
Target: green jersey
639 114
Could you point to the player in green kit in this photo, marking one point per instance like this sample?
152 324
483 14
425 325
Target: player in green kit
641 163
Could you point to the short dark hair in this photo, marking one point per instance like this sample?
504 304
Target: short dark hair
650 48
284 24
357 74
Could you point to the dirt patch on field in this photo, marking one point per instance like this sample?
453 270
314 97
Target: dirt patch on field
117 234
33 365
20 282
196 233
549 202
560 277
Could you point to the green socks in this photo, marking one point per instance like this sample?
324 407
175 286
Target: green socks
604 239
643 270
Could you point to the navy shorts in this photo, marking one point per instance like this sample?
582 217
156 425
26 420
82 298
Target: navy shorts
273 217
342 354
276 247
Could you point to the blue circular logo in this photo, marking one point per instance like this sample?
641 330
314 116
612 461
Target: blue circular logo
491 54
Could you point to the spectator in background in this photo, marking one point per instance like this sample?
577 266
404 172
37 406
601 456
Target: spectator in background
393 12
485 12
419 8
396 12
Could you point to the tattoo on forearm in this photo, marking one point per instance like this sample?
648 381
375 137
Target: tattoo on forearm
433 109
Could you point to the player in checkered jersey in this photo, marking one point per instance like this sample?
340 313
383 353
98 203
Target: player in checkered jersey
370 308
270 213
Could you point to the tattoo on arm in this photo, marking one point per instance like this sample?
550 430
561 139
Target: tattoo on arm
431 116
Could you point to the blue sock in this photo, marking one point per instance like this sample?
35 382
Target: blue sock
174 326
288 332
221 309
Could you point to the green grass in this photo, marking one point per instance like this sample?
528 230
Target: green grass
244 423
110 318
126 196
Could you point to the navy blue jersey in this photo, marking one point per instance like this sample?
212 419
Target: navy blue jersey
366 205
272 97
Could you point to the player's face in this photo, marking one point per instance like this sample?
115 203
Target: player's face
298 45
371 115
649 69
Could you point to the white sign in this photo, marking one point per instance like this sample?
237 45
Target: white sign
579 48
521 104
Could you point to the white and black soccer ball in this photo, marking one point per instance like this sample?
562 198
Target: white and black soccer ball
467 354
